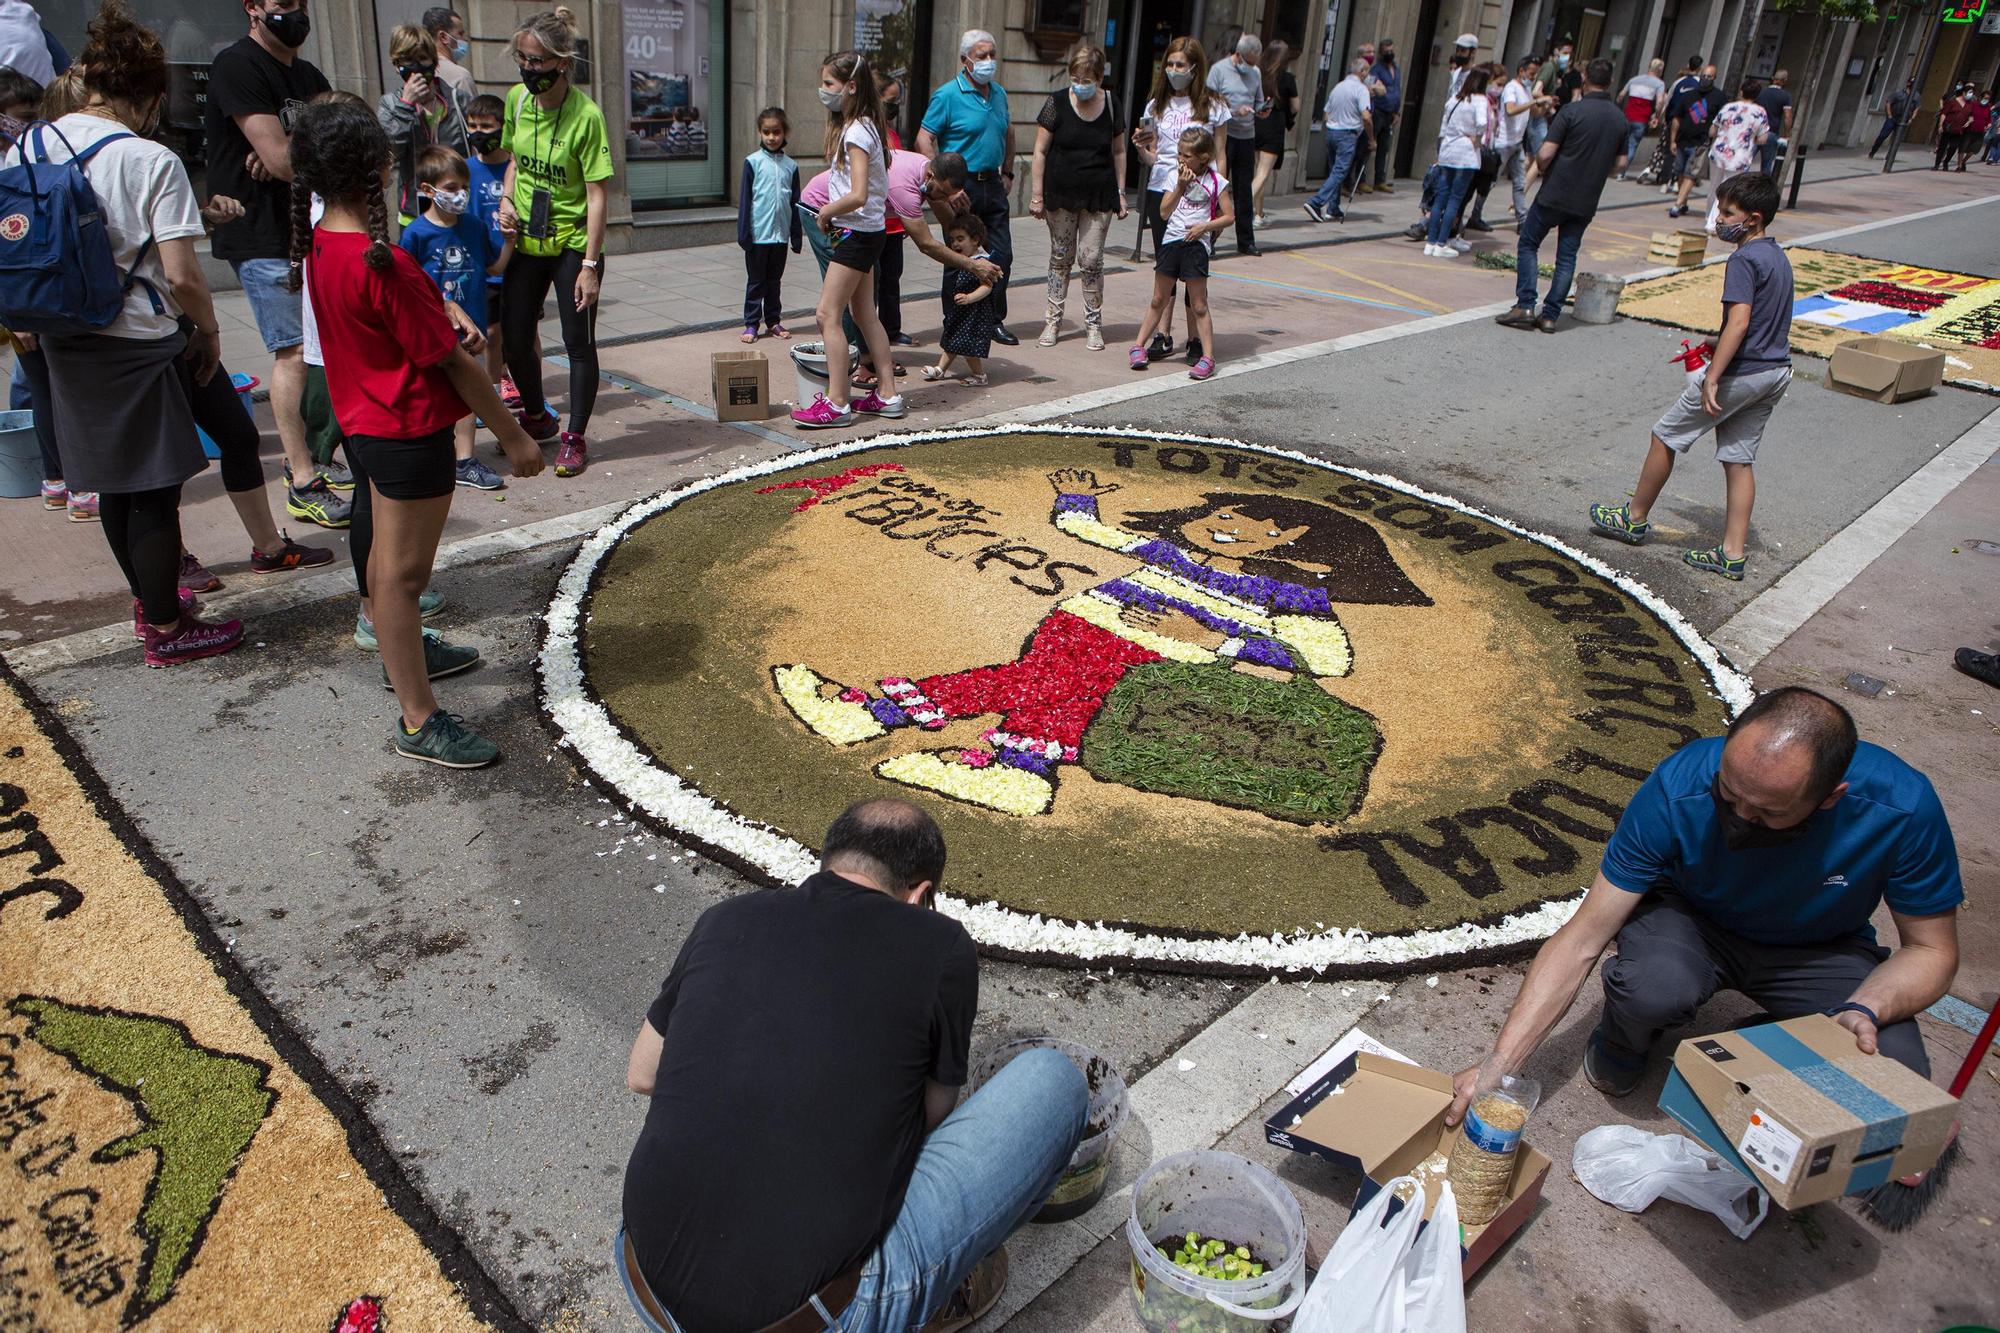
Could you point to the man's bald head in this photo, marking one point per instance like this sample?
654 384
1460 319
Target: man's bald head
887 841
1787 755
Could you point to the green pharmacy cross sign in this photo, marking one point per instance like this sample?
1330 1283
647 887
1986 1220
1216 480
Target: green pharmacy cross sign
1964 11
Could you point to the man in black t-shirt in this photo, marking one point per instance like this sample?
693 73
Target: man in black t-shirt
1586 144
1776 99
254 89
800 1155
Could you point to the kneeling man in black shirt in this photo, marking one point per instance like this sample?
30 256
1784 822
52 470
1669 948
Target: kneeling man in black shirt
801 1167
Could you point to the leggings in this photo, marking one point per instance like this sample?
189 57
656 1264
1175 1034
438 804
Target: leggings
1077 238
889 284
219 410
527 286
144 530
1947 144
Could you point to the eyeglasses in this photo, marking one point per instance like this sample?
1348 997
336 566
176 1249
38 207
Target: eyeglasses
537 62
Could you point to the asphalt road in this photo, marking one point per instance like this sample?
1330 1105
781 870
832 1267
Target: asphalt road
473 953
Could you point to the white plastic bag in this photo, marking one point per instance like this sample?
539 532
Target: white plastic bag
1629 1168
1436 1300
1362 1286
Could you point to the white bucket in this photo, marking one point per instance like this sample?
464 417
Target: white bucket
809 369
20 456
1229 1199
1597 298
1082 1182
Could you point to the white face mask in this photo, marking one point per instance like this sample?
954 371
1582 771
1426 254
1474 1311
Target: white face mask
984 70
451 201
831 98
1178 79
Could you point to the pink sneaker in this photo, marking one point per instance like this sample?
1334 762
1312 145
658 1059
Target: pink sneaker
573 456
55 495
190 640
878 406
510 397
82 506
820 413
541 426
1202 369
189 606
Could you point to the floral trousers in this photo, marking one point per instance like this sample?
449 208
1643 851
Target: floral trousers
1076 240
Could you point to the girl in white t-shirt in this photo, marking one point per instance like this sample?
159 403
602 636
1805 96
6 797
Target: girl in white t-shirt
1181 99
1198 207
1460 137
855 217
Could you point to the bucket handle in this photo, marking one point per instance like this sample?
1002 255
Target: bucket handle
1295 1293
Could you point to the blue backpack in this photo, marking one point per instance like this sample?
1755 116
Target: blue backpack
57 274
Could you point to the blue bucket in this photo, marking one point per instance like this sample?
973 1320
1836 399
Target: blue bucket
244 385
20 456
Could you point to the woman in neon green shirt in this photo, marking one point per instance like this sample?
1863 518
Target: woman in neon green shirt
553 203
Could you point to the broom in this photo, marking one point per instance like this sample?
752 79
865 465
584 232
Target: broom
1896 1206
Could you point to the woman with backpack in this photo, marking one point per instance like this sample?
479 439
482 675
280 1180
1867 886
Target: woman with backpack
124 419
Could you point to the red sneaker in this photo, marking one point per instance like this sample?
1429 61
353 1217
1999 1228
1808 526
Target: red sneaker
572 456
540 425
190 640
510 397
195 576
188 607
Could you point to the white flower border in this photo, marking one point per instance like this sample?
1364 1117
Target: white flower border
587 727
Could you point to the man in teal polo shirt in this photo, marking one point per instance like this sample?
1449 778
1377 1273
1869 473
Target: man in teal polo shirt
968 116
1753 864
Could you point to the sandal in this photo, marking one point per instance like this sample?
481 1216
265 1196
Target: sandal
780 331
973 381
749 333
935 373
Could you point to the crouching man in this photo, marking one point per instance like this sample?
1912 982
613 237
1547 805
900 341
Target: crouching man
801 1167
1753 863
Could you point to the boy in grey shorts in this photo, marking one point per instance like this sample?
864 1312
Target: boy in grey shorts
1749 368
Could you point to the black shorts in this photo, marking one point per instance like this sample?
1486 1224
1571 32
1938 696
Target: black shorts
858 250
1183 260
419 469
495 304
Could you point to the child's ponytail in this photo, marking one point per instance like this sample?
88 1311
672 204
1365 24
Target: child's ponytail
377 254
301 233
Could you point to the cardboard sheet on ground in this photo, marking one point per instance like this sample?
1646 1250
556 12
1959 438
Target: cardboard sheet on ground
1842 297
171 1155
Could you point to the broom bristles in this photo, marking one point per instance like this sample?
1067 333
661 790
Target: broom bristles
1895 1207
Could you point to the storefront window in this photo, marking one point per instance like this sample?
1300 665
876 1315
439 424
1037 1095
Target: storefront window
676 146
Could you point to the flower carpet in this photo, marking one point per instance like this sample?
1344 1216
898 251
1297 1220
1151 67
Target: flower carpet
1177 702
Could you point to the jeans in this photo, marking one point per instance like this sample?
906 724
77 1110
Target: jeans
278 310
1671 959
31 381
1384 132
1339 156
979 1177
1767 153
1454 183
1527 257
1888 128
1514 166
1684 159
990 203
1634 132
1537 134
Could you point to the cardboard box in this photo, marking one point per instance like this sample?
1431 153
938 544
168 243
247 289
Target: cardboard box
1683 249
1383 1116
1888 370
1798 1108
742 383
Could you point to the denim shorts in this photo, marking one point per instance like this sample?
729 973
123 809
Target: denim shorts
279 311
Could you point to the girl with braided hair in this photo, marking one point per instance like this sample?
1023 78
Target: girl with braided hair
400 378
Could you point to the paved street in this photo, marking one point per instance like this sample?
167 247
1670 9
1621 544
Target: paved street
471 955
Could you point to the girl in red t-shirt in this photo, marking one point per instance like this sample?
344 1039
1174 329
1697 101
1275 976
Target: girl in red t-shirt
400 372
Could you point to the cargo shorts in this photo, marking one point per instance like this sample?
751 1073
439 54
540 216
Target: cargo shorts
1747 403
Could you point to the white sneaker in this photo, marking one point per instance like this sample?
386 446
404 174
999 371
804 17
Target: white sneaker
1446 252
1430 251
1462 246
1048 338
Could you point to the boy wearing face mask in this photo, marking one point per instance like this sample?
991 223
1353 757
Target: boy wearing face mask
455 248
1749 369
486 161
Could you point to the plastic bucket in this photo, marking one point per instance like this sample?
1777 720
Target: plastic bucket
1082 1183
245 385
809 369
1224 1197
20 456
1597 298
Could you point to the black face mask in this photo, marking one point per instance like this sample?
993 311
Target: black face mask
1460 58
891 110
484 142
428 71
1388 58
1740 834
290 27
539 80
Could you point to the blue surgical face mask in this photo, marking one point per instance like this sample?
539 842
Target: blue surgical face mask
461 48
1083 92
1178 79
984 70
1732 232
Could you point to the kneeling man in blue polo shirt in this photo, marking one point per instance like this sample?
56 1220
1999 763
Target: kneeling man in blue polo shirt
1752 863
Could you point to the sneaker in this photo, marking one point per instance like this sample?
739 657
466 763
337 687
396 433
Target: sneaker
1615 522
541 426
1093 338
1137 358
189 640
428 605
55 495
1715 562
1193 350
1676 211
510 397
1609 1076
441 659
1517 318
1049 332
195 576
189 606
1416 231
820 413
338 476
82 506
1161 346
1461 245
1314 211
1978 665
473 473
316 503
1202 369
290 555
979 1293
877 406
572 455
444 739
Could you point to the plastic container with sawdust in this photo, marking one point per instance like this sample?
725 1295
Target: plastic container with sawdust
1226 1198
1482 1155
809 372
1082 1183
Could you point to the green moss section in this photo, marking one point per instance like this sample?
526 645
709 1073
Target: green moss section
200 1109
1286 749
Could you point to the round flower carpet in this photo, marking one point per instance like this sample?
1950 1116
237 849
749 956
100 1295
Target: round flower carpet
1176 702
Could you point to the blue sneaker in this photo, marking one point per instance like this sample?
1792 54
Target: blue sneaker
428 605
473 473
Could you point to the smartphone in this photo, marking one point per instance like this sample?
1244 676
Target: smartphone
540 207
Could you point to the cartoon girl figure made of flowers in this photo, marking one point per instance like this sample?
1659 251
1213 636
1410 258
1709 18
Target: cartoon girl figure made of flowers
1237 582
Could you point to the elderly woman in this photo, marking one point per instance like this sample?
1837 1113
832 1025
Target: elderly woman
1078 186
422 111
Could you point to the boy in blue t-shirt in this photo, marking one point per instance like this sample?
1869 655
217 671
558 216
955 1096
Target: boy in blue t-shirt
1749 369
449 242
487 167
